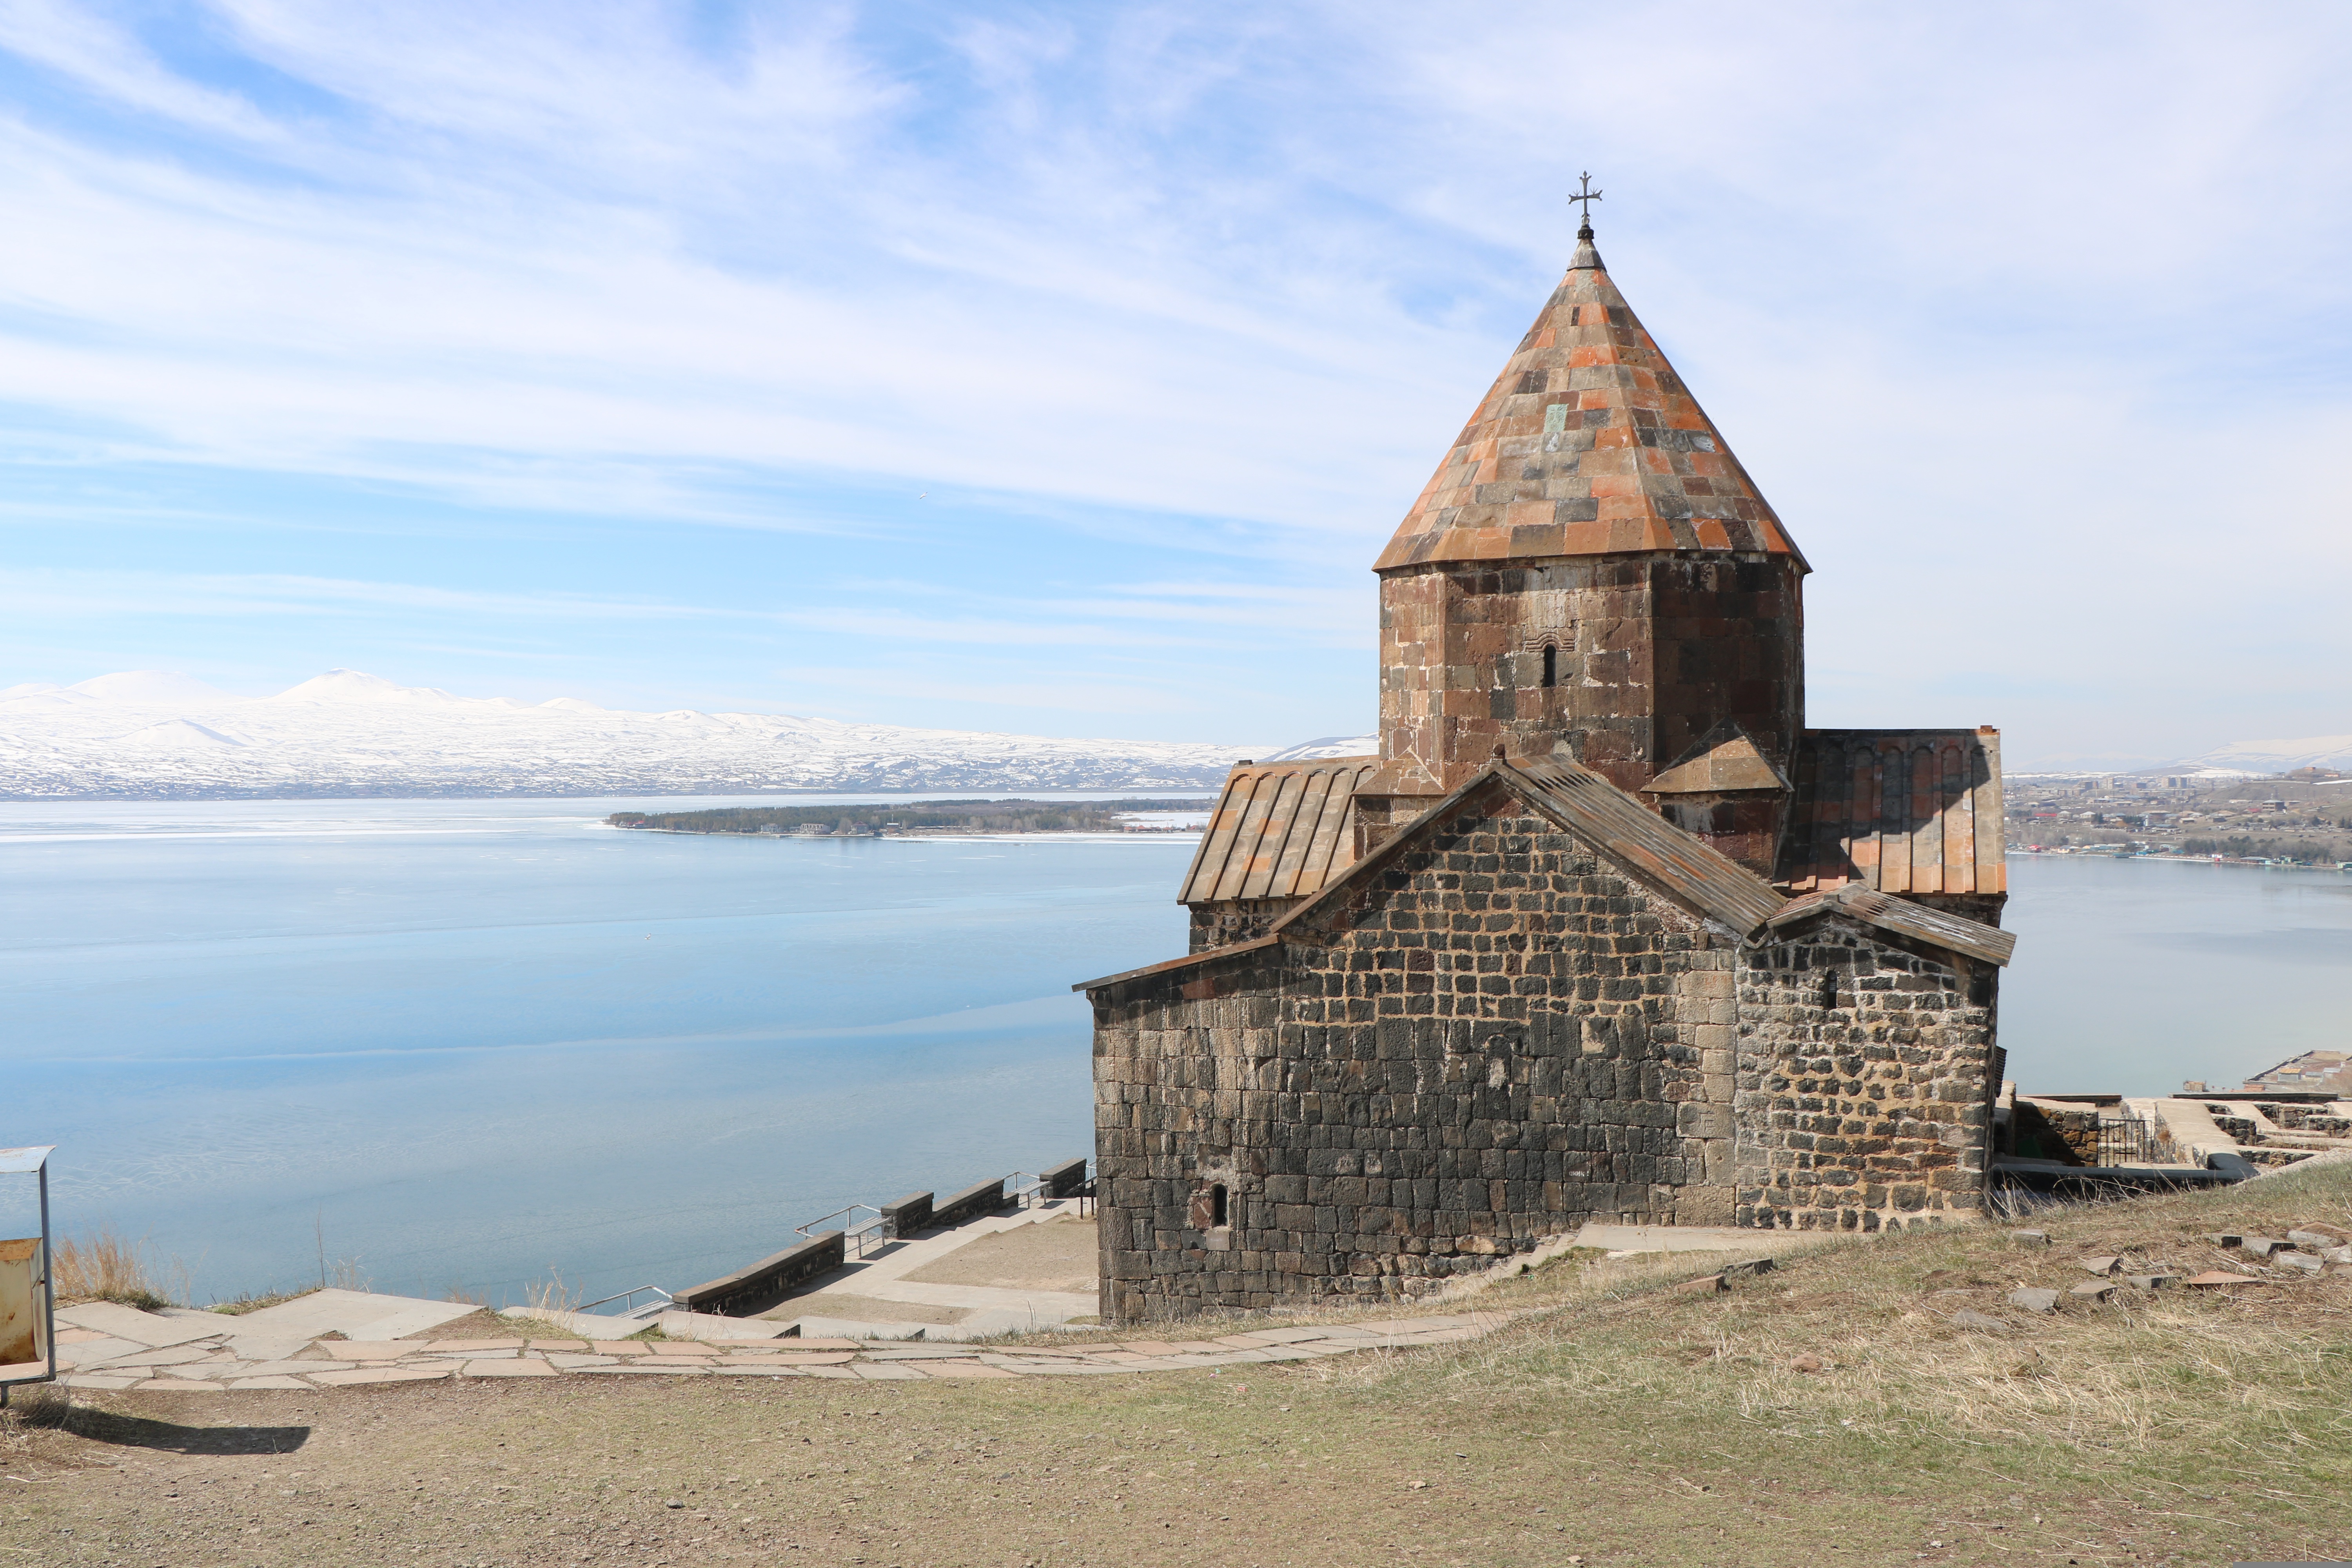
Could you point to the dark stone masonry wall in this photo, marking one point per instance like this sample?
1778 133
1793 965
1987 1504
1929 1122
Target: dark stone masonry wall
1500 1036
1864 1093
1649 653
1223 921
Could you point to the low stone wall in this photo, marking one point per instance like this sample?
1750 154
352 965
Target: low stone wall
2068 1134
980 1198
908 1215
1064 1179
749 1292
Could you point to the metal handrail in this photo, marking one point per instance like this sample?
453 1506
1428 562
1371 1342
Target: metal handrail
1028 1190
851 1234
628 1296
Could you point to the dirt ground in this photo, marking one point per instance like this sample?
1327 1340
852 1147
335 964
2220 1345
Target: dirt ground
1830 1411
860 1308
1058 1255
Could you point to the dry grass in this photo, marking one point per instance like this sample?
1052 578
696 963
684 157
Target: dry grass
1611 1420
106 1266
555 1293
236 1306
2262 1369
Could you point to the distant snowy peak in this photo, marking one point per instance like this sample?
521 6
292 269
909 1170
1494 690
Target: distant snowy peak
354 685
1329 746
2259 758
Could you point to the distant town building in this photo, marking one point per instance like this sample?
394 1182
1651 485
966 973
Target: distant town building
1602 931
2312 1070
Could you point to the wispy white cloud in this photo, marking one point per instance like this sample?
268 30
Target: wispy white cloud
118 593
109 62
2009 333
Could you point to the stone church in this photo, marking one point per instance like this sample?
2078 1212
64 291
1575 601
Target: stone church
1604 931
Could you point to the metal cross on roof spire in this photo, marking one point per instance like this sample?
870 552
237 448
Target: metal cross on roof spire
1588 195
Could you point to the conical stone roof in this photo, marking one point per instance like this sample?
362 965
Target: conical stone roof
1588 443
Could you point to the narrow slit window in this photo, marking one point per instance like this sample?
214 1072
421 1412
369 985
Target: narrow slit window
1217 1205
1552 664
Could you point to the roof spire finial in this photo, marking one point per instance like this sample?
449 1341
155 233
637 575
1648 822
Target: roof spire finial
1588 195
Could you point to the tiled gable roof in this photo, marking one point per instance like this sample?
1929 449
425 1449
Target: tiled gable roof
1278 830
1901 811
1678 864
1588 443
1638 840
1725 761
1904 917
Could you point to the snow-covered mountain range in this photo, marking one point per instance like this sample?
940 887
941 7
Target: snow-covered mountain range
1327 746
146 734
2263 757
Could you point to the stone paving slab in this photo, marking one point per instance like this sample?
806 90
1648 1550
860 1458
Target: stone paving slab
124 1349
958 1369
148 1329
639 1370
266 1347
171 1355
361 1314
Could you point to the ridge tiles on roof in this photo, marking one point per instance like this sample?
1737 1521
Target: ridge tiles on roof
1588 443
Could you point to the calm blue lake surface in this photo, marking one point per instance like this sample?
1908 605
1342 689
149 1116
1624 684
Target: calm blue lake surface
465 1042
468 1041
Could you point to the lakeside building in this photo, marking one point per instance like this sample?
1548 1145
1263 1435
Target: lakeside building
1602 931
2311 1071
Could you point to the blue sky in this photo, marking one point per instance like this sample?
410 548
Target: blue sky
1062 368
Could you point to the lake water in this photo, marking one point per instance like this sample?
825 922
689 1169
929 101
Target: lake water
461 1043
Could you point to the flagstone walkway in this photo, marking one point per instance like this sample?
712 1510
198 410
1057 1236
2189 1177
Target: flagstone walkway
120 1349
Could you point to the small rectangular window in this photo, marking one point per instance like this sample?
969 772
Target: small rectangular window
1217 1206
1550 664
